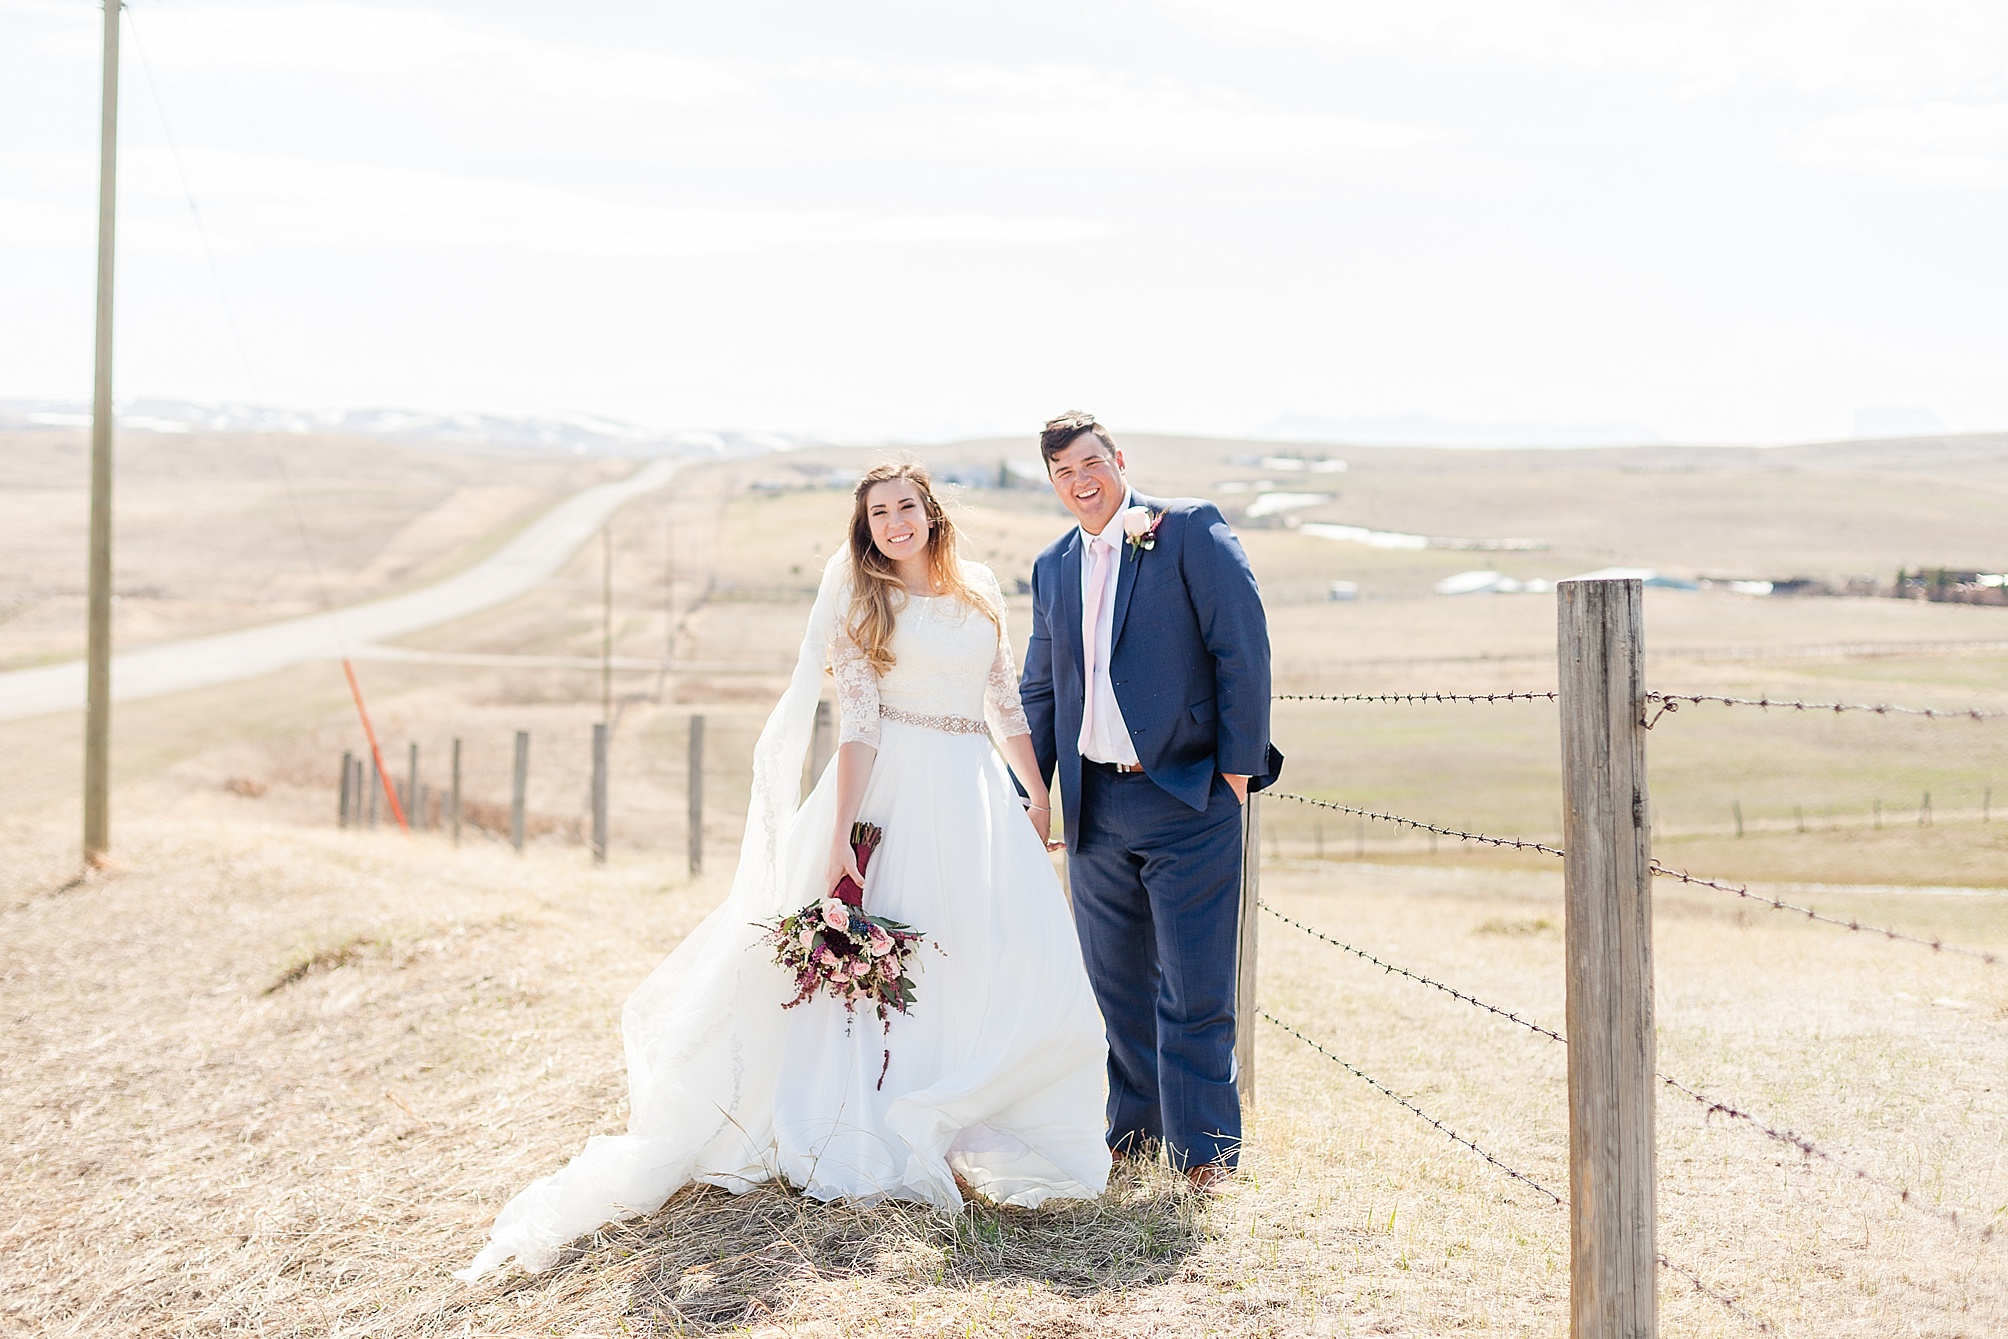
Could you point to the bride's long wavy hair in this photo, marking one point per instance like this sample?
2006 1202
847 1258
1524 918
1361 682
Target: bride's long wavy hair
877 593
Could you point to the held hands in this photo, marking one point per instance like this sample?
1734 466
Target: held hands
1041 814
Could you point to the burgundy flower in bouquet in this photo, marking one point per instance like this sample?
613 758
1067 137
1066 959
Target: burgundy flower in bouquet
834 946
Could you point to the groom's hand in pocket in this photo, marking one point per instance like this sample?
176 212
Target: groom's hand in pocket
1237 784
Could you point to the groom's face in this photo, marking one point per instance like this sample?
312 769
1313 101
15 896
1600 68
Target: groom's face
1088 476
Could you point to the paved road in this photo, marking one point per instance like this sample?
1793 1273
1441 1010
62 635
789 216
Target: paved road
198 662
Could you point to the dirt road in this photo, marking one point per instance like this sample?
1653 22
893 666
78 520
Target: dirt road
196 662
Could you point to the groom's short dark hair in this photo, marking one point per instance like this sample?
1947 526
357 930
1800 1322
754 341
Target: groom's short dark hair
1060 432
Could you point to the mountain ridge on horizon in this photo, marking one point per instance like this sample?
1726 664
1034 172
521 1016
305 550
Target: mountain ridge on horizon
582 433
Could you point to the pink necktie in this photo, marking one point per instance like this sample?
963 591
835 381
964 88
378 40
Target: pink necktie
1098 583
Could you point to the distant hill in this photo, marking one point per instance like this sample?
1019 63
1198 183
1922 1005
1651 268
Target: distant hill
577 434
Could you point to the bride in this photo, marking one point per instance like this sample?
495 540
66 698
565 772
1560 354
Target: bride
997 1074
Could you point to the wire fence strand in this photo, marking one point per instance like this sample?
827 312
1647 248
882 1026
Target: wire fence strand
1845 923
1757 1323
1714 1106
1710 1105
1420 1114
1416 823
1673 702
1417 977
1554 1200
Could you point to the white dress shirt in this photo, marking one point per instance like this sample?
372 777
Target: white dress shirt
1106 737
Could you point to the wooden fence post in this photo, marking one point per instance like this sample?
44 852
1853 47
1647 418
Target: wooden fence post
1244 949
348 759
822 743
600 793
414 815
1613 1268
456 791
696 795
519 784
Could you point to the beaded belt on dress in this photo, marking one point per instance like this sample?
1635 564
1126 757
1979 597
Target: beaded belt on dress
954 725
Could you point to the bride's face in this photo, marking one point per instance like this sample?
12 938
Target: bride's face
898 519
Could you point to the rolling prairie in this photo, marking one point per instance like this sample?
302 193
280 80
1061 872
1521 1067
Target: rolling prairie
269 1076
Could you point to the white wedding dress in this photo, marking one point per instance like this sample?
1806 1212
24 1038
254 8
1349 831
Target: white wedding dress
998 1073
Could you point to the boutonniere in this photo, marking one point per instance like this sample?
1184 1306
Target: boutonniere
1140 528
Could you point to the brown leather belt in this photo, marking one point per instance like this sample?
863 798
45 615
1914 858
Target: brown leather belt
1125 768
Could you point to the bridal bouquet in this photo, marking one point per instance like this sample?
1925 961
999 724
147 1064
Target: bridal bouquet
832 945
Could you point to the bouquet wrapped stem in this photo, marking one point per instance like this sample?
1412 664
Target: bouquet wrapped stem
832 945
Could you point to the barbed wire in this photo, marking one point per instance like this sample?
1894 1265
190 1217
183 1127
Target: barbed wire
1555 1200
1672 702
1755 1322
1424 1116
1712 1106
1417 824
1389 967
1935 945
1416 697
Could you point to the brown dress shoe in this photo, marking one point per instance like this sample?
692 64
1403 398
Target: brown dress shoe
1212 1177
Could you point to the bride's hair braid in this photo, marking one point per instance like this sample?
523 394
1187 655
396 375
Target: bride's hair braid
877 593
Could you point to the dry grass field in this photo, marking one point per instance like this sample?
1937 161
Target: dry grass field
206 536
266 1077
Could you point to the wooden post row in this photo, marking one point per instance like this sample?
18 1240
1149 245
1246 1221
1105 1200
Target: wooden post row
822 743
518 784
456 792
696 794
600 793
1607 944
344 811
1244 949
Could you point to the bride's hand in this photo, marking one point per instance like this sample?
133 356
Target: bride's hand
1042 822
843 861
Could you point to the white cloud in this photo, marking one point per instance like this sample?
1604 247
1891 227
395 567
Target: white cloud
450 54
1897 49
484 87
1943 143
1070 113
249 200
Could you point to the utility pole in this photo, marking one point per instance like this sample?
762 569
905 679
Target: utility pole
98 671
607 623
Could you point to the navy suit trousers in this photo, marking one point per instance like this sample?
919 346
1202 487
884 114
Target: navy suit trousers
1156 891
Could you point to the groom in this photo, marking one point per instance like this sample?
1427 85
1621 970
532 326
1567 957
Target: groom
1147 684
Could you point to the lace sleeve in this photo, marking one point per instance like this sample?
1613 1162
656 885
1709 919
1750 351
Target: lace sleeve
1001 704
857 691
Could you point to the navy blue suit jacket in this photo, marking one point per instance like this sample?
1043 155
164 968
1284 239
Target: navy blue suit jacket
1190 658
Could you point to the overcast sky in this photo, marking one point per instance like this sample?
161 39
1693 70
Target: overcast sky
1737 221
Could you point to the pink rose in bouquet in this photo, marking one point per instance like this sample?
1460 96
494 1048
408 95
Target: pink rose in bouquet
835 945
